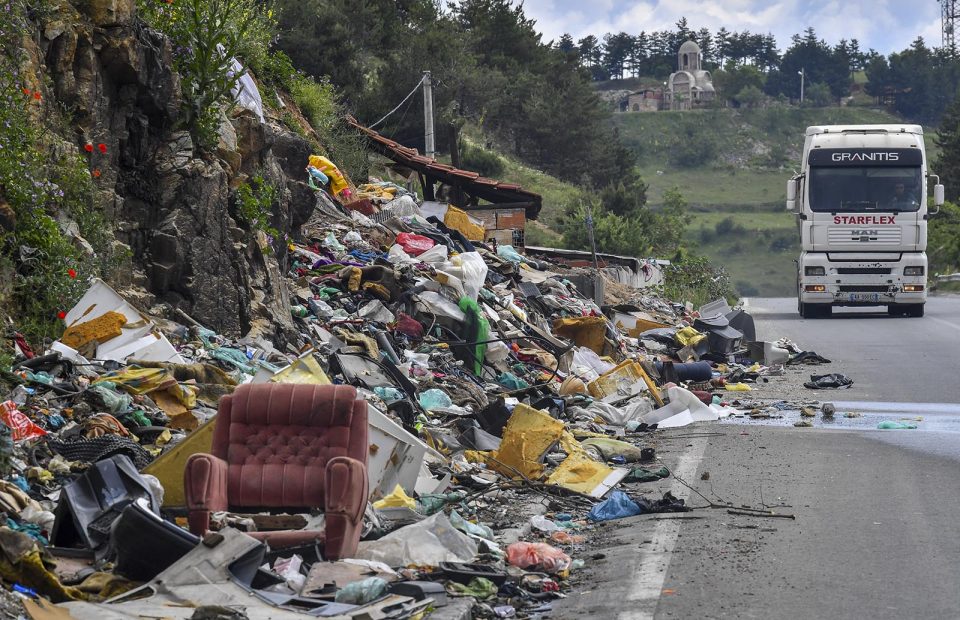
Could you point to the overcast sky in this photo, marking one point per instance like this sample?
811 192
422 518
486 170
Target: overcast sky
885 25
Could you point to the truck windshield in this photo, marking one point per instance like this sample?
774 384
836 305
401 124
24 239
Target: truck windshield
845 189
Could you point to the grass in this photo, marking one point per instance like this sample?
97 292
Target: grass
711 187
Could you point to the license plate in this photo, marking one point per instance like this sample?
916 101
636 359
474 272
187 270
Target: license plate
864 296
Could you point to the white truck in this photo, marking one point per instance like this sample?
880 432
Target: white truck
861 205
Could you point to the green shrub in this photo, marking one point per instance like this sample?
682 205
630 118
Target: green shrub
485 162
207 35
41 178
255 202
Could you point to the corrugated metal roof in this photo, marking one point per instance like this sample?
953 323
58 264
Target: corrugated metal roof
469 181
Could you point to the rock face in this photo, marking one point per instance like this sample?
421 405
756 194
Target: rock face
172 204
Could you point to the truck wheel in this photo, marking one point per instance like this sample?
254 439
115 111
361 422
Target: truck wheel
915 310
804 309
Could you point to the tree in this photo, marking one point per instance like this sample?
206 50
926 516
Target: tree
566 45
819 95
750 96
948 141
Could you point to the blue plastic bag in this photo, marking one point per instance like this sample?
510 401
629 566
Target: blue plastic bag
617 506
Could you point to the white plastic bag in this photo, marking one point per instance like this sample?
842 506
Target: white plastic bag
427 543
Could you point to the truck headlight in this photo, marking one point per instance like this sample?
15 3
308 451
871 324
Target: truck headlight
913 271
816 271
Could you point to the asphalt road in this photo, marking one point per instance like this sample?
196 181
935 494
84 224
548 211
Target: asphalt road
876 512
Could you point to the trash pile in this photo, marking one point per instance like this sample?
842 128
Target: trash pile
506 413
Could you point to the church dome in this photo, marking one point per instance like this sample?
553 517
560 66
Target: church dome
690 47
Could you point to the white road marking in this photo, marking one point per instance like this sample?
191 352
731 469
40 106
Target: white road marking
650 571
943 322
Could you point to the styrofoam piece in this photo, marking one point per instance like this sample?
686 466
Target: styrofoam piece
68 353
139 337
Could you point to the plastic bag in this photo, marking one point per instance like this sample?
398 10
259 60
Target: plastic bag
525 555
338 184
617 506
414 244
362 592
473 529
22 426
540 522
436 254
434 399
479 588
289 569
426 543
397 499
507 252
330 242
896 426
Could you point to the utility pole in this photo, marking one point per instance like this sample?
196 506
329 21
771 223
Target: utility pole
428 137
802 73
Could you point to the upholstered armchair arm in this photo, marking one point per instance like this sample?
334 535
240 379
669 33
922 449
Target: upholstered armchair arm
205 487
346 491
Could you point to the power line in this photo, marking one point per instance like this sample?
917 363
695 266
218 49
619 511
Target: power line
399 104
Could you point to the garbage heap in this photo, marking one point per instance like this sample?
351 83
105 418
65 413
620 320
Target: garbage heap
506 413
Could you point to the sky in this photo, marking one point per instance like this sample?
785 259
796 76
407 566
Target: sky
884 25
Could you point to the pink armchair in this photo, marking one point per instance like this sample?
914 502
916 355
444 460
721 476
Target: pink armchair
286 447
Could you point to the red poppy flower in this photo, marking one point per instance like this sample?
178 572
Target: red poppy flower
72 273
36 95
88 147
102 147
26 91
96 173
61 315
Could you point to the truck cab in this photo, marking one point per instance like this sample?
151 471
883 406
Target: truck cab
861 205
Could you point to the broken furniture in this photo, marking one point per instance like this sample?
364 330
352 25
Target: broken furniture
286 446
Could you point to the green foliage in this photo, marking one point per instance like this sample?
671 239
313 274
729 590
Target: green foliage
40 178
255 202
750 96
948 140
819 96
943 240
692 278
487 163
489 68
694 144
626 197
207 36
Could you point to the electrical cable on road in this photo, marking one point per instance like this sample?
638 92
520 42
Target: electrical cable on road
399 104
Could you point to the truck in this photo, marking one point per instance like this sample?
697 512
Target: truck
861 204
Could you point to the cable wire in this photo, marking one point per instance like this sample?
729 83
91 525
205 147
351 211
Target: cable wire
399 104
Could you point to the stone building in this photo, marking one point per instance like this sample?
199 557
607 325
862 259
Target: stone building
690 85
645 100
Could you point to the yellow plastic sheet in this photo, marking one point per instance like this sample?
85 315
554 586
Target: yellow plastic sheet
585 331
689 337
396 499
578 472
460 220
303 370
738 387
528 436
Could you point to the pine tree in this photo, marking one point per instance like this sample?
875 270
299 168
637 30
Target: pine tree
948 140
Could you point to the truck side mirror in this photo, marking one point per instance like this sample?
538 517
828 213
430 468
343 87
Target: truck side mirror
792 195
938 195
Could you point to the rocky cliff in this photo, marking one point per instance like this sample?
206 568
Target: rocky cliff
172 204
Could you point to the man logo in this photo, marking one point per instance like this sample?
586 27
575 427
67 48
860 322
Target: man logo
864 235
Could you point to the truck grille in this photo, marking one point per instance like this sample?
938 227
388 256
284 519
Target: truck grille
845 235
856 271
864 288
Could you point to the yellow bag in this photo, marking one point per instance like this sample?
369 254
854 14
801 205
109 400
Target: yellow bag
337 182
